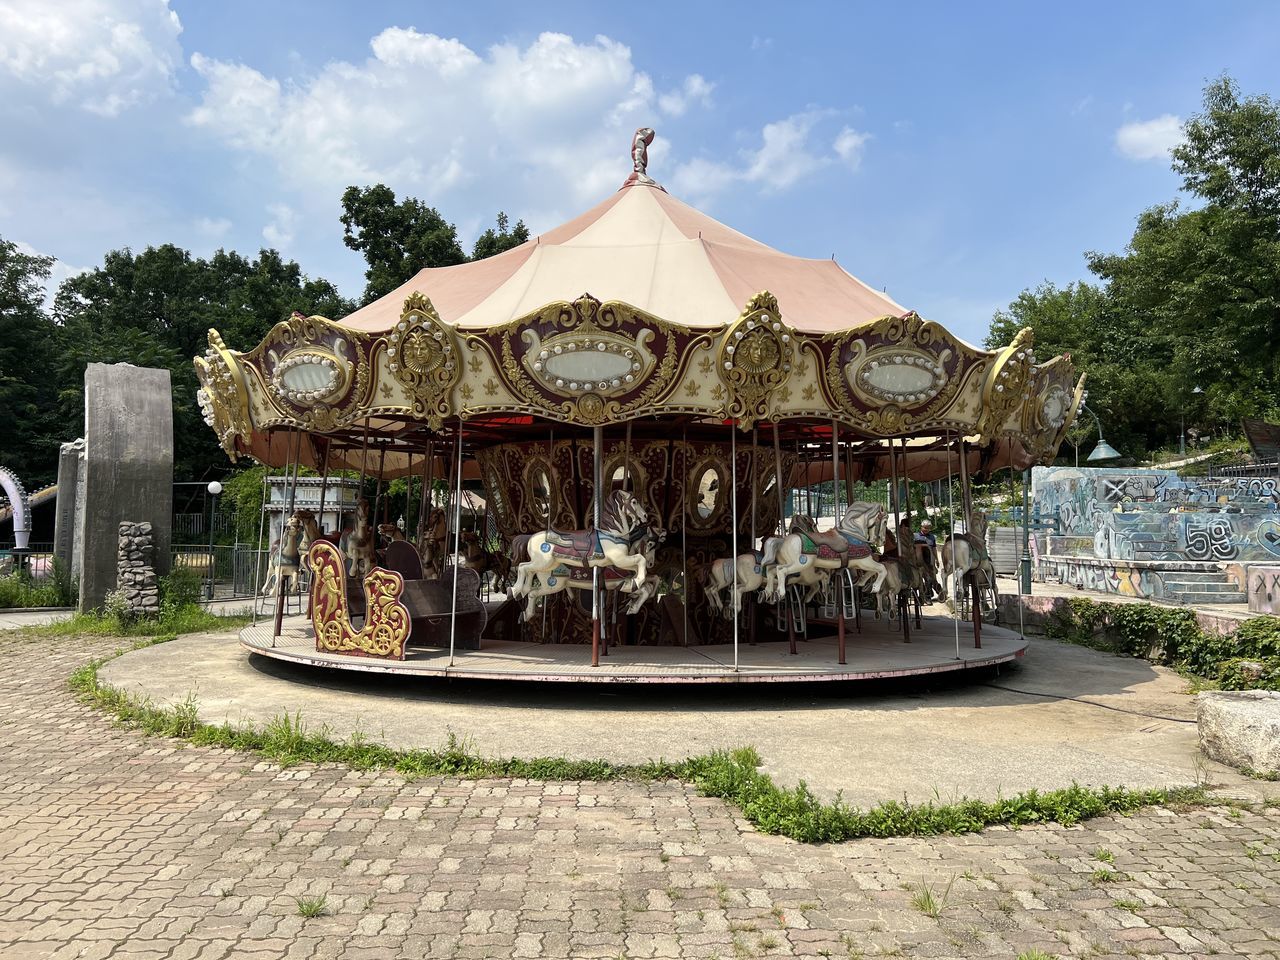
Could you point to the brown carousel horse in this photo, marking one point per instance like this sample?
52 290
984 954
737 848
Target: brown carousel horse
905 579
432 547
496 563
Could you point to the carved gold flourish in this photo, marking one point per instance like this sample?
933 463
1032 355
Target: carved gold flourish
755 358
348 344
422 353
584 315
222 396
387 622
1006 384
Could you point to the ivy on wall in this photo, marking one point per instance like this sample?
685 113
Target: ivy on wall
1248 659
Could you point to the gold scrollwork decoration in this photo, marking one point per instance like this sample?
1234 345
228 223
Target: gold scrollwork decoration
387 622
1006 383
302 337
423 355
757 352
223 397
593 329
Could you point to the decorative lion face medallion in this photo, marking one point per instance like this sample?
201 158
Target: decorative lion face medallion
421 353
756 355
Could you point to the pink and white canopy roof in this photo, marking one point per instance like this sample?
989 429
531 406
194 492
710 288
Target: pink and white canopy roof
647 249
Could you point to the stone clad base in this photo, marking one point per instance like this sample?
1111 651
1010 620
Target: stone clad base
1241 728
876 653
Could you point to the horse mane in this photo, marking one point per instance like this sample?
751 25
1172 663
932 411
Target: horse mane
616 512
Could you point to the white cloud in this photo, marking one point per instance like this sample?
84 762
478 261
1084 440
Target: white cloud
102 55
1149 139
215 228
785 156
428 115
58 272
279 232
696 90
849 146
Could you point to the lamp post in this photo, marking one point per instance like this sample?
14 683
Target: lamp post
1104 450
214 489
1182 424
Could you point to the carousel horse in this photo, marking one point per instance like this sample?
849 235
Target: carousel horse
432 548
361 546
849 545
288 557
813 579
927 563
904 574
623 526
965 558
496 563
390 532
612 578
720 577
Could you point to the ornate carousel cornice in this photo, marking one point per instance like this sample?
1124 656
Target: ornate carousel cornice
591 362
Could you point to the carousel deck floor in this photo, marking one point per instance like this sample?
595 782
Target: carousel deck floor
875 653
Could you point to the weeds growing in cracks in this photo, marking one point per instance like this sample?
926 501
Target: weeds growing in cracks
731 775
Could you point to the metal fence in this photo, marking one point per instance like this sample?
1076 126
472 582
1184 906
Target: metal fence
236 569
197 524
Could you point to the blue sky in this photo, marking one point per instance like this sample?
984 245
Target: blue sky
951 153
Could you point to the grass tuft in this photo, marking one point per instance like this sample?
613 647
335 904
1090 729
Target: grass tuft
731 775
311 907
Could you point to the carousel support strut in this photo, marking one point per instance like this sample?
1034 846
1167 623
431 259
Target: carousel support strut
782 532
257 567
733 528
457 548
835 477
293 488
598 470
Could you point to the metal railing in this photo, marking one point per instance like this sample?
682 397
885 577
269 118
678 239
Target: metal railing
237 569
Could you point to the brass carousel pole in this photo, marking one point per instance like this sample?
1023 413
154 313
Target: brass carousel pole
784 600
843 572
751 479
903 563
598 469
257 567
293 487
955 574
733 521
966 495
457 547
684 529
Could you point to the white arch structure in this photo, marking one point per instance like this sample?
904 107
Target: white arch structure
21 508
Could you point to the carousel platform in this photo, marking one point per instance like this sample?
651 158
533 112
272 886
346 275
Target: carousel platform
876 653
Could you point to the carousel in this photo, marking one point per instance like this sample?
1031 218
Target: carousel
673 428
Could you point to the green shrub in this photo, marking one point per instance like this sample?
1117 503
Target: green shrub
182 587
1241 673
18 589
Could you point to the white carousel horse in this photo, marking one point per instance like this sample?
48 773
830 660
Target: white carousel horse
579 578
614 544
751 576
849 545
284 571
964 557
360 545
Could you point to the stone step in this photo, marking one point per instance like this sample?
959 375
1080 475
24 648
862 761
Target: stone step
1200 586
1188 597
1197 576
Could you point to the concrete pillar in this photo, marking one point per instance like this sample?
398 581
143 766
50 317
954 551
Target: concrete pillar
128 469
64 522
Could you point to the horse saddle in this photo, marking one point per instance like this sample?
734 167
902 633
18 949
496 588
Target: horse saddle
574 544
834 545
977 546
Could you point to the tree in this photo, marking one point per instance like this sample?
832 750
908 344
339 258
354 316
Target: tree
155 309
30 430
396 239
493 242
1194 299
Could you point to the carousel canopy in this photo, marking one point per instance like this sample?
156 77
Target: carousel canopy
650 250
642 311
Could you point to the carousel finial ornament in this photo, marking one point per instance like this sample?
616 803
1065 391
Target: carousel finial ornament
640 158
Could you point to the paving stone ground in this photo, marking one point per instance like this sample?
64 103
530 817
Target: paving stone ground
117 845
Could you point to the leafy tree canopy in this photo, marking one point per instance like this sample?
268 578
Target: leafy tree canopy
1194 299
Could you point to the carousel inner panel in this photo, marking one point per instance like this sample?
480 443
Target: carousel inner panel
538 490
